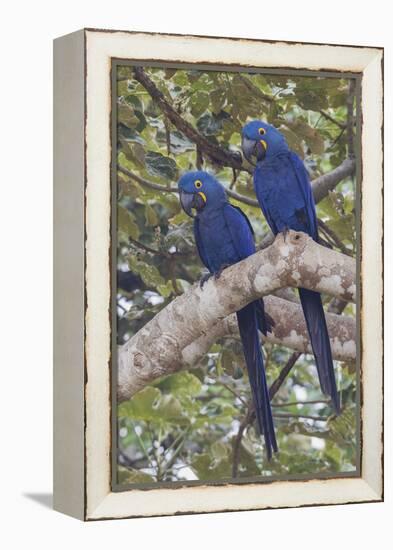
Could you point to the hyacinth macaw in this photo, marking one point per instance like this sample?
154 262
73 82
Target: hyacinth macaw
224 236
284 193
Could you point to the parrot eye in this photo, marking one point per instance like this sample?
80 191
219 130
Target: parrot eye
198 184
262 131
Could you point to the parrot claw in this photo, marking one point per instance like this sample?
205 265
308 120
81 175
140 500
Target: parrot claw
204 279
218 273
285 232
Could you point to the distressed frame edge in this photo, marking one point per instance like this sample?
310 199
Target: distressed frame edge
375 490
69 274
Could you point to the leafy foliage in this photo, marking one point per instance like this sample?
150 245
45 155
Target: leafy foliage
185 426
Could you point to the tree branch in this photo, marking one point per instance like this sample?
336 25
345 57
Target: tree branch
320 186
238 440
331 119
283 374
216 153
167 342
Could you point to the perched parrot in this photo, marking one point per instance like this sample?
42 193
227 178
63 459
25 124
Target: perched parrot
224 236
285 196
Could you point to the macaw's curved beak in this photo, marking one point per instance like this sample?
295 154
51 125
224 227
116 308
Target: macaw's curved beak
252 148
190 201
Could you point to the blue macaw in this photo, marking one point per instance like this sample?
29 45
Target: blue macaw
224 236
285 196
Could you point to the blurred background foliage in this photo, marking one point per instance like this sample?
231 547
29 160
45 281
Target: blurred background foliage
194 425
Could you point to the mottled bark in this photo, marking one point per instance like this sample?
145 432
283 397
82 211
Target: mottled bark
160 347
290 331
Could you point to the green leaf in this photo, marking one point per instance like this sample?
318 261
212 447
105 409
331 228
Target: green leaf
228 361
151 405
180 78
171 203
247 463
180 384
311 92
128 187
218 99
342 427
170 72
293 141
127 116
129 475
310 135
161 166
199 103
149 273
165 290
152 110
179 219
332 206
141 404
206 468
151 217
134 152
211 124
220 450
135 102
344 227
126 223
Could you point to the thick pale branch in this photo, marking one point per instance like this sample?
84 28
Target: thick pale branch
290 331
157 349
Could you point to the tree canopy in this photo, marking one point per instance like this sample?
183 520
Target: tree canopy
197 424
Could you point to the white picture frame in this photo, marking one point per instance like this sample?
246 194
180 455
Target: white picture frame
82 248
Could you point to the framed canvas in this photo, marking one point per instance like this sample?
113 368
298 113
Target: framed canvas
182 391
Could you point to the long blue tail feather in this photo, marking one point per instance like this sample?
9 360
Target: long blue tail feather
248 321
320 343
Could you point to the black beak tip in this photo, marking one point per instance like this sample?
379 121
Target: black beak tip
192 201
248 148
253 150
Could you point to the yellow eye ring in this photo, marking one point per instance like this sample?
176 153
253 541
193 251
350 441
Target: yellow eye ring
198 184
262 131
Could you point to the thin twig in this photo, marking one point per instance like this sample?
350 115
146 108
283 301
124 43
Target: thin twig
255 90
334 237
146 183
142 446
340 135
283 374
303 403
306 416
237 443
233 392
169 463
234 178
172 265
148 249
333 120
